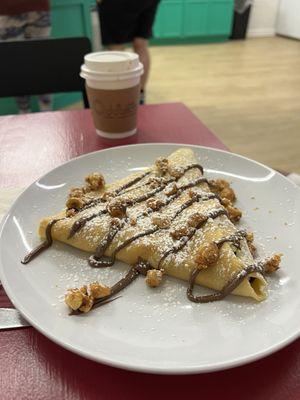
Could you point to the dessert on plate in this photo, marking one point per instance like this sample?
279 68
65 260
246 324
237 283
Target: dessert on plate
166 220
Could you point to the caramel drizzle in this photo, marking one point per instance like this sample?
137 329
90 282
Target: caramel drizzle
42 246
227 289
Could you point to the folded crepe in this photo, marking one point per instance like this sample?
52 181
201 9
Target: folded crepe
165 215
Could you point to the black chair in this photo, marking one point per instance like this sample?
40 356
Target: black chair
31 67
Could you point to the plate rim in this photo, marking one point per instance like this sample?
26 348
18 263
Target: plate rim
206 368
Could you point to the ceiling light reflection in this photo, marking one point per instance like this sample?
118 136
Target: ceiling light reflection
245 178
24 240
50 187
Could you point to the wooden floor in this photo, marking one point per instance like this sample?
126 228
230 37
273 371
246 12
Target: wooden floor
246 92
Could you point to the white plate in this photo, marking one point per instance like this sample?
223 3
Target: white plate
157 330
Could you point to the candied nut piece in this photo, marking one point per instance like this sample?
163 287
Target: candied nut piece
228 194
234 213
208 254
192 193
249 237
179 232
95 181
252 248
196 220
272 264
75 203
74 298
76 192
162 165
176 172
155 182
97 290
154 203
154 277
83 289
70 212
116 208
115 222
225 202
108 195
87 304
218 184
171 189
161 221
132 221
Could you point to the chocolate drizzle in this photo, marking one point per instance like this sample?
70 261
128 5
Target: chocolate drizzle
80 223
117 191
192 166
99 261
109 261
43 246
227 289
141 267
184 240
235 239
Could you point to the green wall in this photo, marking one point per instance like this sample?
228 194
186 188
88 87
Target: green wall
177 21
192 21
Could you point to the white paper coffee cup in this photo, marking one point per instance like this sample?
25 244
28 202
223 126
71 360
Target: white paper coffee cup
113 88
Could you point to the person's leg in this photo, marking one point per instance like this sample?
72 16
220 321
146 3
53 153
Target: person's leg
143 32
39 27
115 47
140 46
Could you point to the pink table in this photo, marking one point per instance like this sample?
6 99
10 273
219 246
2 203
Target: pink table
31 366
33 144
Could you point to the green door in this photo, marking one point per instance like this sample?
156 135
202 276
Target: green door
181 20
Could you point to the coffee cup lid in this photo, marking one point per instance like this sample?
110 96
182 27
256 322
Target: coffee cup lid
106 64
